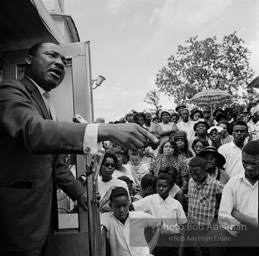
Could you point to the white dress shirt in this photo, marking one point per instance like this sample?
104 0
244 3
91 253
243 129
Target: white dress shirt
128 239
233 156
241 195
169 210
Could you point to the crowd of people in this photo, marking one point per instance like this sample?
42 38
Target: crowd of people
195 194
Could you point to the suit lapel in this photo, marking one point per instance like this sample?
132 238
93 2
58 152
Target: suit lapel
36 96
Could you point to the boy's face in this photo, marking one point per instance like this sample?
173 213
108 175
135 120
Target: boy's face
135 160
163 187
197 173
120 207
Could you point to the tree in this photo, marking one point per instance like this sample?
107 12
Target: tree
153 98
206 64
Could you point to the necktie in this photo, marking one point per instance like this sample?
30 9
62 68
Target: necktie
49 105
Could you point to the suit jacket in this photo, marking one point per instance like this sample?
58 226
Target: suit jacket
29 145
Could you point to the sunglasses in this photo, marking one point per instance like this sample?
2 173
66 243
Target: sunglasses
206 112
109 165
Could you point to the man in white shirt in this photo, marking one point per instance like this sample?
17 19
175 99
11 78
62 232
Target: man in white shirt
238 212
232 151
253 124
186 125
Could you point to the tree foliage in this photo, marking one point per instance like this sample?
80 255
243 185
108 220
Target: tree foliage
153 98
206 64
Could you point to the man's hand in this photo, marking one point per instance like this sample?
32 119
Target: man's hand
82 200
131 135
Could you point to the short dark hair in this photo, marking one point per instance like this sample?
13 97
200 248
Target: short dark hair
34 48
173 144
147 181
126 179
205 143
168 169
111 155
165 176
240 122
117 192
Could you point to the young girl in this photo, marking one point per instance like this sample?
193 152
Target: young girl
180 139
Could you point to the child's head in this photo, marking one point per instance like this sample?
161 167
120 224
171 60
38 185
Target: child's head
119 203
197 168
163 185
135 157
171 171
148 184
129 183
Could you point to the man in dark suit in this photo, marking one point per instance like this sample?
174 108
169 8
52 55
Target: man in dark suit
30 147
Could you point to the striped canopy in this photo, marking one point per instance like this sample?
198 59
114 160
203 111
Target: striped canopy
211 97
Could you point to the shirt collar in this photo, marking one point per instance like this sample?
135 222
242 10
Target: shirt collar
38 87
162 201
205 182
118 221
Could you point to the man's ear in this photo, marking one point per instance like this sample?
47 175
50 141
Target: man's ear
28 59
110 204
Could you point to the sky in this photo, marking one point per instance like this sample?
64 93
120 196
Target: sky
131 40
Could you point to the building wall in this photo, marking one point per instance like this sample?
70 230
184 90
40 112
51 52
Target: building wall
54 5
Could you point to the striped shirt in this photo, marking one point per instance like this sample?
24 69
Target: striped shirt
204 200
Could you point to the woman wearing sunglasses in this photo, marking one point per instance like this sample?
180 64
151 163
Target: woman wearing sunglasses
105 180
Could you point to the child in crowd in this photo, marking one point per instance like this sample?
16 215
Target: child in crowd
125 229
175 192
129 183
138 167
204 195
165 207
148 187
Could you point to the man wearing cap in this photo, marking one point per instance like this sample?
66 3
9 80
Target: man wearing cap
179 108
215 163
238 212
232 151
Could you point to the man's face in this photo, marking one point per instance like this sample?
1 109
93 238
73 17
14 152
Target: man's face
201 128
47 66
251 165
185 115
148 117
163 187
197 173
120 207
239 133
